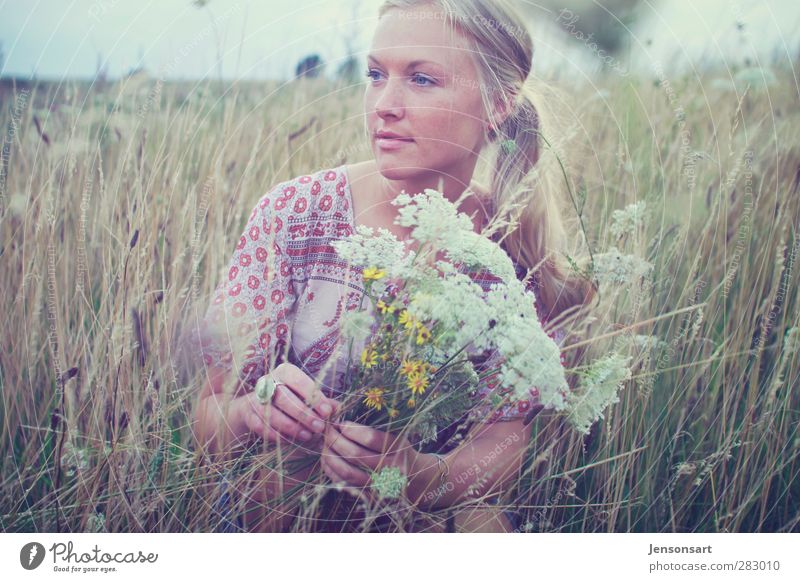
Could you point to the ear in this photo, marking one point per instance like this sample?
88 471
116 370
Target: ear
503 107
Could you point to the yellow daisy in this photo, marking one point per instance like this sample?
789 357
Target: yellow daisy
417 382
423 335
393 412
369 358
385 307
407 319
373 273
409 367
374 398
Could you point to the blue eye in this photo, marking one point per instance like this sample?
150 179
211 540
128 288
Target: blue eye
426 79
419 80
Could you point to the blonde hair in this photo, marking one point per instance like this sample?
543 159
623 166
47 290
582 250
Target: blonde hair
527 185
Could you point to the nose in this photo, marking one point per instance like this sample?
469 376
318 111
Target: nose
389 101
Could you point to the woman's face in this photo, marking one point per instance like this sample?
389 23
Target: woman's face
424 87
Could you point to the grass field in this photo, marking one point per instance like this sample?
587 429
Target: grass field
121 207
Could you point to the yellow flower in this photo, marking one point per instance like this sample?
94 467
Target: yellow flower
369 358
423 335
373 273
393 412
409 366
385 307
374 398
411 403
384 357
407 319
417 382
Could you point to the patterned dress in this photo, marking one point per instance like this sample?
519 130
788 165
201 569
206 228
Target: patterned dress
285 289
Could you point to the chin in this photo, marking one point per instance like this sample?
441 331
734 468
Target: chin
398 169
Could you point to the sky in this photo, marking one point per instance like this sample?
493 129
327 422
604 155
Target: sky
260 39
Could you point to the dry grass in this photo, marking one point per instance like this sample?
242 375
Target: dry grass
121 207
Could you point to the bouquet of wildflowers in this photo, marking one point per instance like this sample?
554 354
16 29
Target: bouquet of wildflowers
414 371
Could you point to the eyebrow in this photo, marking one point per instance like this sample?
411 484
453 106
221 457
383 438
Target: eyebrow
410 65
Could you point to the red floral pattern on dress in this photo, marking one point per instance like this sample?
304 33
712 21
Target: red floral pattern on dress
272 266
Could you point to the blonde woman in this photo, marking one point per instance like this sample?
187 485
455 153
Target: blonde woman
447 83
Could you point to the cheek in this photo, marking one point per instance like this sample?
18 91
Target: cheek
456 127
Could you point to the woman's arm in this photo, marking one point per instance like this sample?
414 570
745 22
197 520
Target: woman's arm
486 463
219 422
227 420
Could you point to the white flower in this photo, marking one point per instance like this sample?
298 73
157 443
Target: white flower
18 204
356 325
643 342
389 482
597 391
431 214
531 356
365 248
456 303
96 523
627 221
74 459
436 221
757 77
792 341
464 315
613 267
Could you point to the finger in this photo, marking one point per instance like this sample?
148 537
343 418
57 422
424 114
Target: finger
256 425
353 452
288 402
300 382
369 438
340 482
347 472
285 425
328 469
327 407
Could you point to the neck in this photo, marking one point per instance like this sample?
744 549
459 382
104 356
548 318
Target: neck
452 182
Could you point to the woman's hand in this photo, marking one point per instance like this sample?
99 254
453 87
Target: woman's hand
298 411
352 451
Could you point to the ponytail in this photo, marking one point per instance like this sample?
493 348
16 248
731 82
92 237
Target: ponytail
529 189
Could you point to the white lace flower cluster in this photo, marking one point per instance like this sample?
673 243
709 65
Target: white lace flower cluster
356 325
598 390
504 319
615 268
437 221
366 247
792 341
74 459
642 343
628 220
389 482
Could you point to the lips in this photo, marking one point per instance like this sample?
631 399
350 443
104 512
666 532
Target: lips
392 135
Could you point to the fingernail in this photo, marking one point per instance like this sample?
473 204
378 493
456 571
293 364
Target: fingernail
305 435
326 409
318 425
